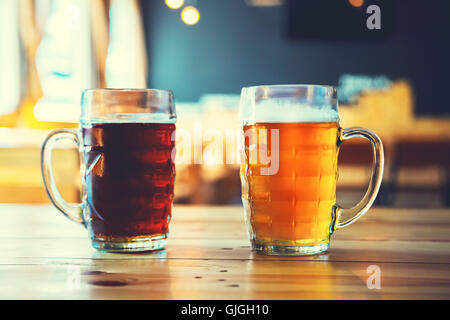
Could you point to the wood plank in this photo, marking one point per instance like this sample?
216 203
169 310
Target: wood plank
211 279
208 257
227 222
20 251
219 233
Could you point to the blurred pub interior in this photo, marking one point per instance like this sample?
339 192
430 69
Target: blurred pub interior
392 80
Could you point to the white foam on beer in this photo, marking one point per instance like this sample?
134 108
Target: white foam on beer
286 111
131 118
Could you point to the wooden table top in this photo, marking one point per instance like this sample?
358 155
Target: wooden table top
45 256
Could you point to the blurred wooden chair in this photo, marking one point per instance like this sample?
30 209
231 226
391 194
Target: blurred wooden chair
20 173
411 153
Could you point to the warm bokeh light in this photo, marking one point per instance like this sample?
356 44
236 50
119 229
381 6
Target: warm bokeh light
190 15
174 4
356 3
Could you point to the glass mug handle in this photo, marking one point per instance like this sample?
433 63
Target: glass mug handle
72 211
345 217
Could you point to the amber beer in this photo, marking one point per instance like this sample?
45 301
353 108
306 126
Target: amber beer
294 206
289 168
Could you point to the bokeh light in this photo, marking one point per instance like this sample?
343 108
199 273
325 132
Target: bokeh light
356 3
190 15
174 4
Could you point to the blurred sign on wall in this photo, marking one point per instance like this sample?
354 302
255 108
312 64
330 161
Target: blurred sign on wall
352 86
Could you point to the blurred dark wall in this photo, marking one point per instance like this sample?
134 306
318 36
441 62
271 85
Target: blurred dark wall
235 45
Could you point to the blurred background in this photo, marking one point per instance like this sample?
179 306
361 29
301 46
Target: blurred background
389 60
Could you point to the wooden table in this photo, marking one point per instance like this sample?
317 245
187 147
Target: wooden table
45 256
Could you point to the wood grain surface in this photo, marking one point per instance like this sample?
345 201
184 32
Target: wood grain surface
45 256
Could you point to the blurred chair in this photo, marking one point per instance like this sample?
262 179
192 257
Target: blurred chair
415 155
20 174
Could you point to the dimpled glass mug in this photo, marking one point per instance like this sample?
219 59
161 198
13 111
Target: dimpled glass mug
127 148
289 170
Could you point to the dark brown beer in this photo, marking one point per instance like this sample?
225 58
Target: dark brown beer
129 179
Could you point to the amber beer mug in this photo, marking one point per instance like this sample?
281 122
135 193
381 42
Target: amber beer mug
127 148
289 170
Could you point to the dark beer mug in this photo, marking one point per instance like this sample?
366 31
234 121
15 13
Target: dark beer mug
127 148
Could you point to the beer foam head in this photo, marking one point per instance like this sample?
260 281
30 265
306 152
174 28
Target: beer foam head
287 111
109 105
130 118
289 103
